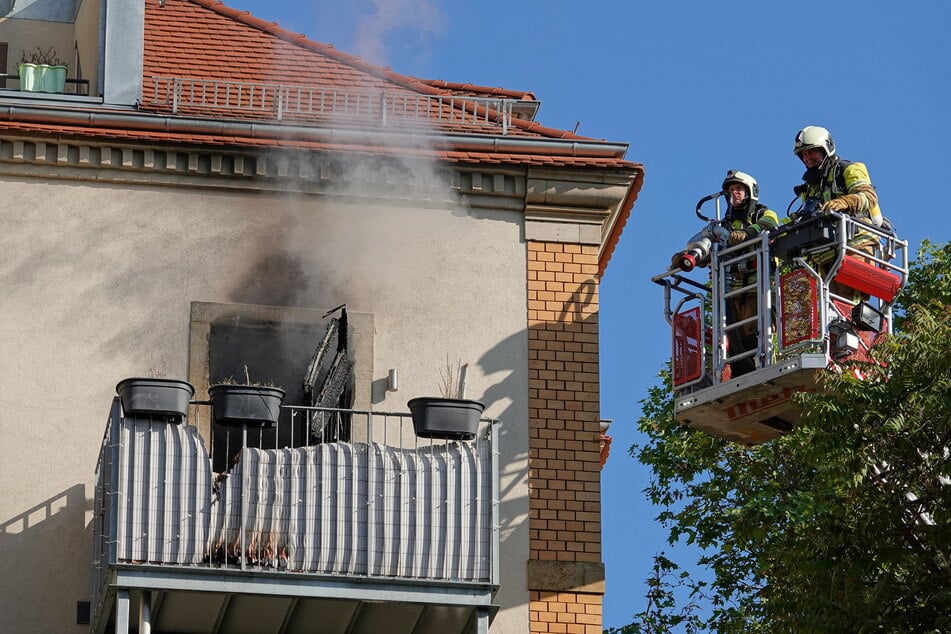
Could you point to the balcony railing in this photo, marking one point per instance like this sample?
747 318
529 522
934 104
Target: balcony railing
280 102
73 86
365 499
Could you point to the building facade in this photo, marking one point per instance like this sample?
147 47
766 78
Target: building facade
208 189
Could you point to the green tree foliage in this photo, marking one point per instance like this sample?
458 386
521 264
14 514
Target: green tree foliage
929 280
842 525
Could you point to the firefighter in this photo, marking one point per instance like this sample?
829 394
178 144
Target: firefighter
833 184
746 218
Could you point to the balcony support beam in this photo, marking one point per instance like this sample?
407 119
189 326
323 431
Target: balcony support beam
122 612
288 615
233 581
222 610
479 621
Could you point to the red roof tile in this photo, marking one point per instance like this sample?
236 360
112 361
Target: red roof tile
205 39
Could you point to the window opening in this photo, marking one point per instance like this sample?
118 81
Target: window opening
312 363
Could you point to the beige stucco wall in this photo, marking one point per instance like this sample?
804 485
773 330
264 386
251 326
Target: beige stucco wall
96 281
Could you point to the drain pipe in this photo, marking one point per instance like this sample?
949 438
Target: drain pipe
145 612
256 130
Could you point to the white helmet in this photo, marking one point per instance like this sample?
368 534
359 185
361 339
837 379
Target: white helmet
752 187
813 136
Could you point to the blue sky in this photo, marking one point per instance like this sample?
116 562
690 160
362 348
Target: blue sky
695 88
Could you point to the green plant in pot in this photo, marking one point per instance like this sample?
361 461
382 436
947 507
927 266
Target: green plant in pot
450 416
42 71
234 403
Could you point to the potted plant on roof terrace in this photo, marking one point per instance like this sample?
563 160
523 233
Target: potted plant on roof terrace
42 71
450 416
234 403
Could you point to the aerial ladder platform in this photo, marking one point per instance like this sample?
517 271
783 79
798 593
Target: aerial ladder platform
821 304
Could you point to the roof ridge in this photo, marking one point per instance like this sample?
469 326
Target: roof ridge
497 91
383 72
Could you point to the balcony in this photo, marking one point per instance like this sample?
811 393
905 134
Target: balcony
50 49
362 527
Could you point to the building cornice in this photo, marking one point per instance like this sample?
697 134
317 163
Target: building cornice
286 170
567 204
574 205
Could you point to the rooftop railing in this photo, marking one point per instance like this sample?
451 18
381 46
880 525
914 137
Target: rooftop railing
283 102
357 495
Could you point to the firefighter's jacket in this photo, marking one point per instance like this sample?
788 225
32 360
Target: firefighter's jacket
850 183
761 219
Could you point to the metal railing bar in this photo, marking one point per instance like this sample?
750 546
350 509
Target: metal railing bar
301 100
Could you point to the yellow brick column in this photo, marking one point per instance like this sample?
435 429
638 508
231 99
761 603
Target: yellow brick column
565 572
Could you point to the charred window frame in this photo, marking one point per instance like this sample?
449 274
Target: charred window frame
287 347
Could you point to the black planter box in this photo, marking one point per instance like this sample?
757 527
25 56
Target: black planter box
154 398
239 404
449 418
